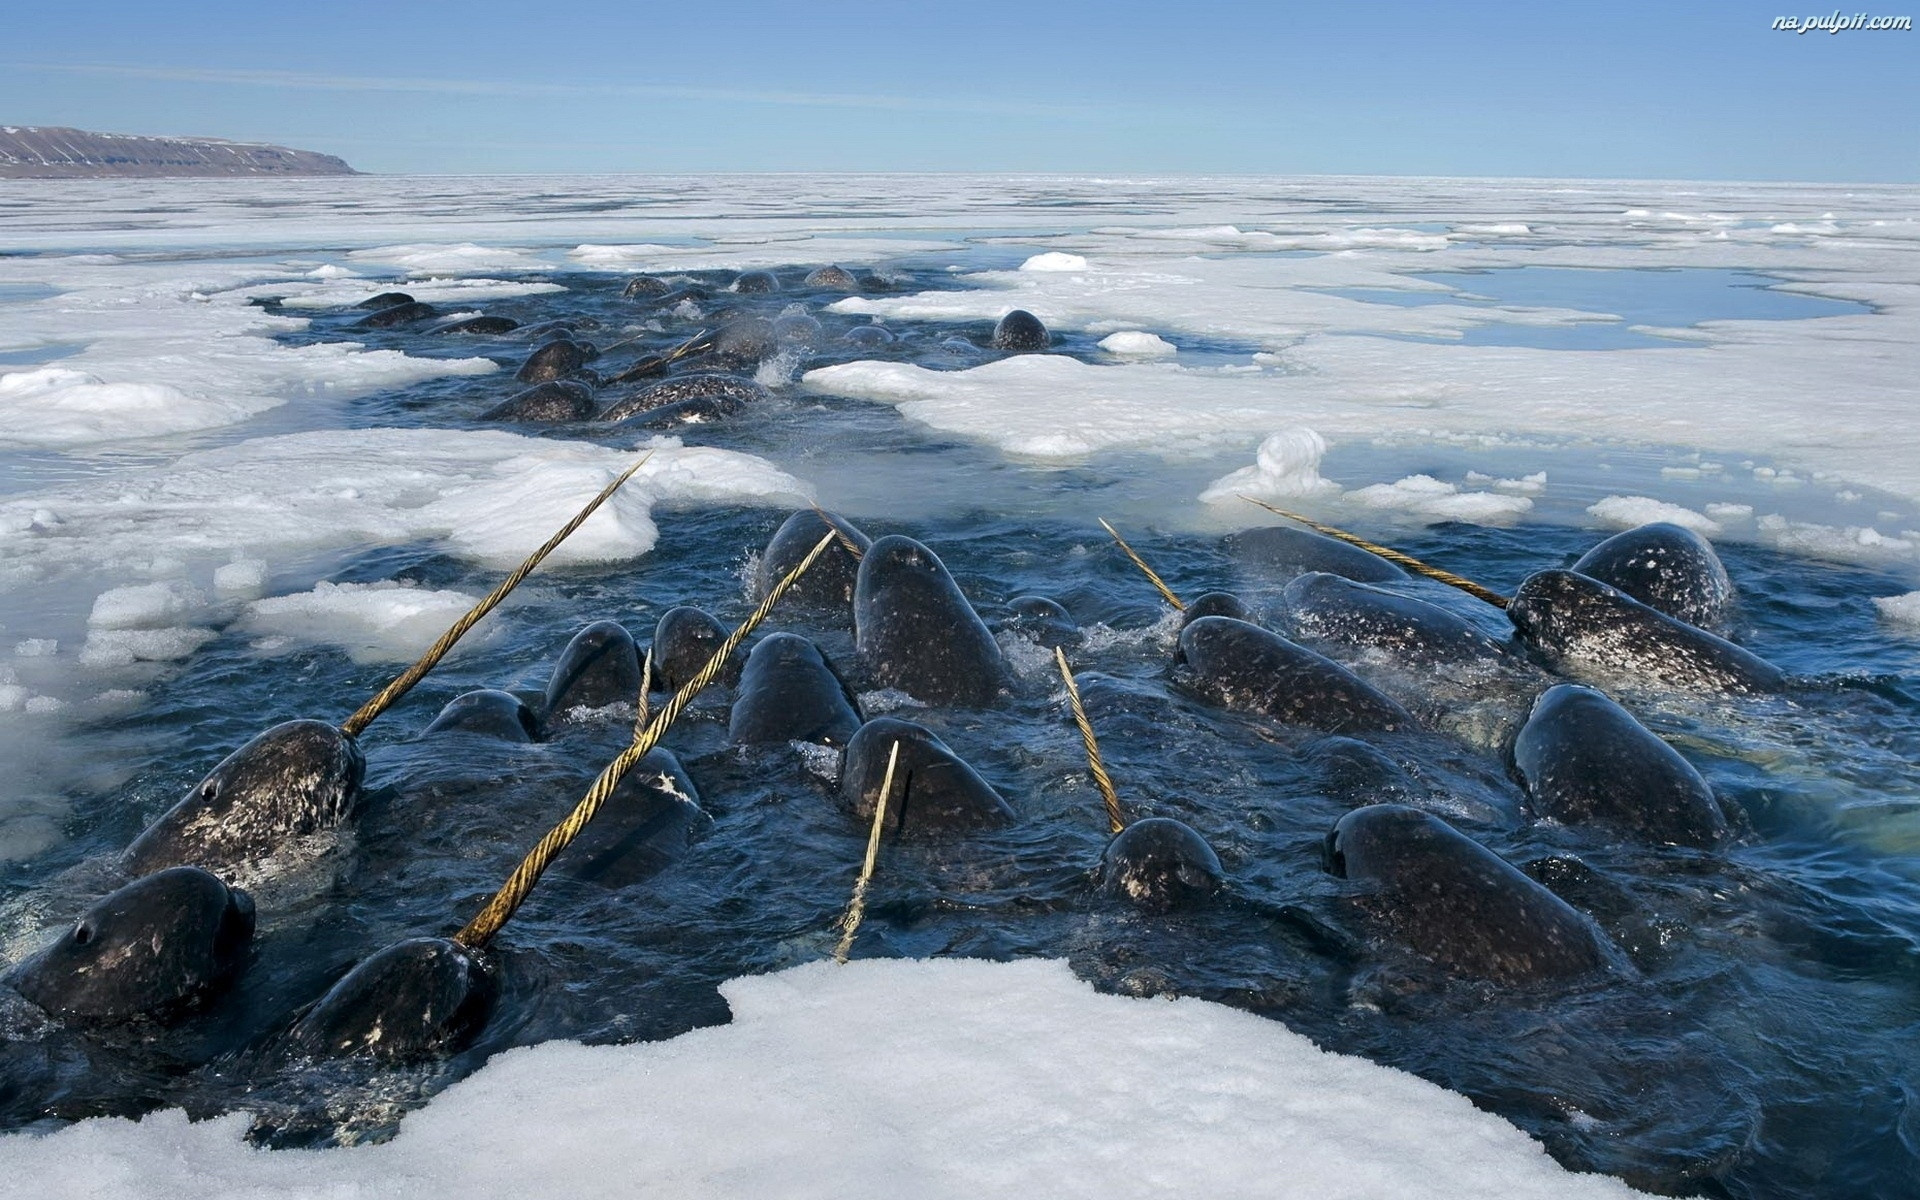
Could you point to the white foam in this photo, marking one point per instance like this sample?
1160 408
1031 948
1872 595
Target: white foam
1902 610
1055 260
1630 512
1287 465
1132 343
370 621
934 1079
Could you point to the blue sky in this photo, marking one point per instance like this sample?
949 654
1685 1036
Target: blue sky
1706 91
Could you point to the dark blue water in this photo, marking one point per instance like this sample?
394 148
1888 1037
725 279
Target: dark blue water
1764 1044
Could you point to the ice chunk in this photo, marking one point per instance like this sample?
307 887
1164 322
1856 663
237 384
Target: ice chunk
1286 465
1630 512
1902 610
1425 496
370 621
1132 343
1054 260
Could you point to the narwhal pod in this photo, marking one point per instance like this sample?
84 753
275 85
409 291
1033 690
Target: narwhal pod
1284 551
934 791
416 999
789 692
1452 901
1159 865
600 666
555 360
1334 610
915 630
828 584
1590 630
644 827
1584 760
156 949
554 400
684 639
1241 666
1667 567
295 779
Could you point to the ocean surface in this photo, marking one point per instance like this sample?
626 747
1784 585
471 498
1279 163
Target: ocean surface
224 504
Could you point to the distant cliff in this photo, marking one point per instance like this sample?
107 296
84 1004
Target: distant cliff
53 152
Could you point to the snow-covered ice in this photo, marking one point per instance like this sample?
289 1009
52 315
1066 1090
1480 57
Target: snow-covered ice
929 1079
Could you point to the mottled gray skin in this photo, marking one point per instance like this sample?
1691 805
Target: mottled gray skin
600 666
488 711
385 300
1584 760
1160 865
832 278
555 400
1020 332
1241 666
1588 630
1353 772
158 948
915 630
642 829
868 337
708 394
1334 610
827 586
558 358
1215 604
745 341
755 282
478 325
683 640
1287 552
1667 567
934 791
298 778
397 314
1044 620
645 287
418 999
1454 902
796 329
789 692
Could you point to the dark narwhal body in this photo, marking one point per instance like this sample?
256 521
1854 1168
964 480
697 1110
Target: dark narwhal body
599 667
831 278
1216 604
645 287
478 325
688 397
683 640
1585 760
408 312
827 587
916 631
1160 865
554 400
156 949
1020 332
643 828
1044 620
1666 567
1333 610
1452 901
295 779
789 692
755 282
555 360
1591 631
1286 552
1241 666
488 711
417 999
934 790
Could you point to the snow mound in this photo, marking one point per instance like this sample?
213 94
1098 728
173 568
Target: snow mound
1054 260
1132 343
931 1079
1286 465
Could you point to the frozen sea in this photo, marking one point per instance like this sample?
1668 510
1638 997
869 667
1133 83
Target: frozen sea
222 505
